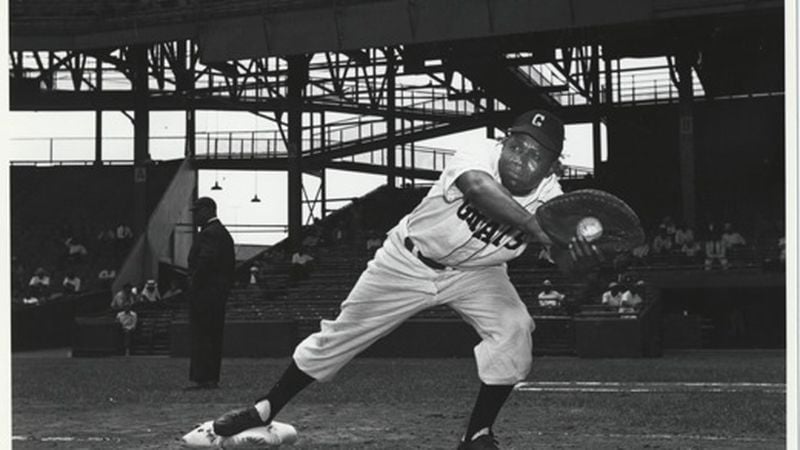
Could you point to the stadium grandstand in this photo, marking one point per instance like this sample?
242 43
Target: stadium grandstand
682 102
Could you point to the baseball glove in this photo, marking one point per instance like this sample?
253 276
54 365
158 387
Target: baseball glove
602 219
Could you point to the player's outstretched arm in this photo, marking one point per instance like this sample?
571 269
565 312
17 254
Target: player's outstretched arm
496 201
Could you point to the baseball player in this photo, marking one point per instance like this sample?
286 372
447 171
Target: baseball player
452 250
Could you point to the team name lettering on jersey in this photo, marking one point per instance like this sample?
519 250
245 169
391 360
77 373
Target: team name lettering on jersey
488 230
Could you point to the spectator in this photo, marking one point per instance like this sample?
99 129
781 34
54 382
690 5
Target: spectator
631 299
71 283
312 239
150 292
124 236
662 243
253 281
683 235
39 284
640 254
127 320
106 235
714 248
613 296
549 297
75 250
690 251
731 238
776 261
374 242
106 277
669 227
301 265
337 235
105 240
124 233
126 297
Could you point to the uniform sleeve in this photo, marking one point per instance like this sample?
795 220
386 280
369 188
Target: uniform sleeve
482 157
552 189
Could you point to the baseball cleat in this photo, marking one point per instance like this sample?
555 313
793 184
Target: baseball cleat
484 442
264 436
238 420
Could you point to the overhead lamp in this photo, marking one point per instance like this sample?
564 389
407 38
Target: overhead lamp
255 198
216 186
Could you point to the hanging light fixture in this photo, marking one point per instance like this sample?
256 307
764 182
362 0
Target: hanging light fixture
216 186
255 198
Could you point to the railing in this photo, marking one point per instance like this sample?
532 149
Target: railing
80 163
650 85
260 145
575 172
67 150
409 156
241 228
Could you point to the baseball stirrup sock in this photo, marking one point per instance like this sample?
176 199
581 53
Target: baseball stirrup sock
487 406
290 384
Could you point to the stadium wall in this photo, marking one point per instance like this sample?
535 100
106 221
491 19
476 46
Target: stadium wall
739 160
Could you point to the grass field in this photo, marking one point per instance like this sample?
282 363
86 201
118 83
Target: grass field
137 403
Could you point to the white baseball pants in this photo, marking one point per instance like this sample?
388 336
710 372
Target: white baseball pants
396 286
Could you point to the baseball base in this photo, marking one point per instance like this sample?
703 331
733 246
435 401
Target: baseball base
273 435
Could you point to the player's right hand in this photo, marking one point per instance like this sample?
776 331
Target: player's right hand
580 256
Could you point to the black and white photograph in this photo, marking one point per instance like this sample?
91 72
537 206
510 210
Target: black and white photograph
400 224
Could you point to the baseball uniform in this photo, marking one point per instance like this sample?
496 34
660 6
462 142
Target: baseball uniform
447 252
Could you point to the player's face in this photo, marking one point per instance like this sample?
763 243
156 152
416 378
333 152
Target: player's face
524 163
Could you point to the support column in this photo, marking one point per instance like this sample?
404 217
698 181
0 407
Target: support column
686 138
323 141
98 116
141 132
391 164
187 87
297 79
490 129
597 155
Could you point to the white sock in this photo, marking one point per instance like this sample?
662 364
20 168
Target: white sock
263 409
480 433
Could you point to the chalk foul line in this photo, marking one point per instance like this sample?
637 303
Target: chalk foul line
635 387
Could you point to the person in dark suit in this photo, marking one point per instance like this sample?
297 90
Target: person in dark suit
211 276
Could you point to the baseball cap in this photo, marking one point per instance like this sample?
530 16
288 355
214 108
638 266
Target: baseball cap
543 126
204 202
547 283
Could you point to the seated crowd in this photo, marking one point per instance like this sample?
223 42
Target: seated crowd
712 247
65 265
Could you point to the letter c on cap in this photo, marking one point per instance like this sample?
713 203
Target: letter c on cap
538 120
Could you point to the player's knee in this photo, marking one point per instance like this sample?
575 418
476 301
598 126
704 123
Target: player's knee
518 325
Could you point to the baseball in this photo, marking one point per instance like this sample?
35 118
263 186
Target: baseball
590 228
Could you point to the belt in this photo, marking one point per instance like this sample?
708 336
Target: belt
427 261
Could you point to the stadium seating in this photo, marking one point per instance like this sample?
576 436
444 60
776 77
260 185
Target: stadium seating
51 204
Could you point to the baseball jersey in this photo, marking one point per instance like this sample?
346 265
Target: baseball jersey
445 227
